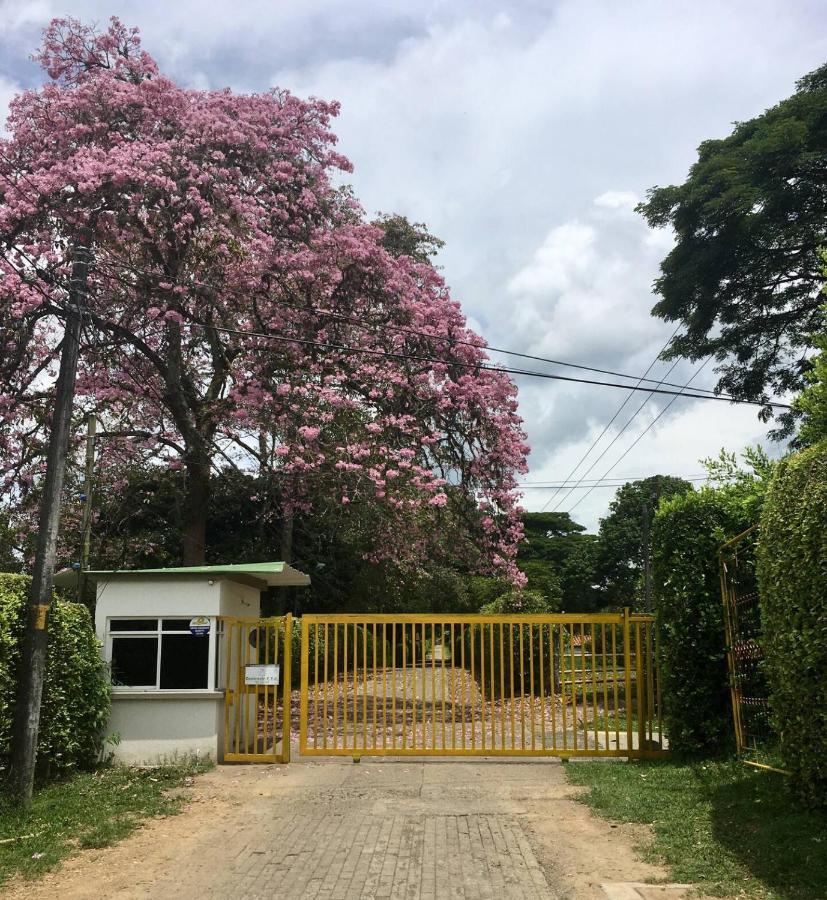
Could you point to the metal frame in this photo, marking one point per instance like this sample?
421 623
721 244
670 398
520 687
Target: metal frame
359 651
246 741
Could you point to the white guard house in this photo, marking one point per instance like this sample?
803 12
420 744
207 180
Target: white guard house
161 634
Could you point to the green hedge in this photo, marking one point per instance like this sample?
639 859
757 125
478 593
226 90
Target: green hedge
75 705
792 573
686 534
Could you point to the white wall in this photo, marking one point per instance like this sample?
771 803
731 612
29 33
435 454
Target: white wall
239 600
160 726
179 596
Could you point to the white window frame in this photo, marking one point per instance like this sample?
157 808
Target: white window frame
158 635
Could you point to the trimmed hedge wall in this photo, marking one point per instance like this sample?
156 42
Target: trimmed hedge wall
75 705
686 535
792 573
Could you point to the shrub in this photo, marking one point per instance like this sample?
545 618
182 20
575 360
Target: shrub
364 645
686 535
481 636
75 705
792 574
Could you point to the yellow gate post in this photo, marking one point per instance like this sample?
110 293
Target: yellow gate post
627 677
286 690
305 665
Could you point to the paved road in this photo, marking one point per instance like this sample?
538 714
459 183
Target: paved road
381 829
392 830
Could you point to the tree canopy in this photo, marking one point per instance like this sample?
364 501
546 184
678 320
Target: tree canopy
744 277
242 314
620 539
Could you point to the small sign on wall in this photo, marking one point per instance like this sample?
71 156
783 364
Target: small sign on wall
200 625
256 674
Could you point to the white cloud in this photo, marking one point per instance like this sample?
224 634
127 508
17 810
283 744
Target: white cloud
567 252
617 200
7 90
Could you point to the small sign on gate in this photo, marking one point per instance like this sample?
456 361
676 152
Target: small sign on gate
257 674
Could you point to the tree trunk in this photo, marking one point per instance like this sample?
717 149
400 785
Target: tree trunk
33 658
196 506
287 538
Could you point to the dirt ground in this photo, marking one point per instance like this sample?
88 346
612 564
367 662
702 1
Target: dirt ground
378 829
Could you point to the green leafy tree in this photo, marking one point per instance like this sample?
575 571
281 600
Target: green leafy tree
620 560
404 238
578 577
812 403
9 559
792 573
559 559
744 277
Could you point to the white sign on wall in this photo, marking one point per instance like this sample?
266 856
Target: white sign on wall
268 674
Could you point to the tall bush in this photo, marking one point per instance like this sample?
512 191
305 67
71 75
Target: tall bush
686 535
75 704
792 574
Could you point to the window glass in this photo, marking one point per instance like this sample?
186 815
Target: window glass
175 624
184 661
134 661
133 624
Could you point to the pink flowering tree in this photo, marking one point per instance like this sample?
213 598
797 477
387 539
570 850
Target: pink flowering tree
241 312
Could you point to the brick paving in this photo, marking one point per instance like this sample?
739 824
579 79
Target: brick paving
377 830
383 829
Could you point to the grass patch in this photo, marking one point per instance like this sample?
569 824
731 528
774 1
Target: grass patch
88 809
731 829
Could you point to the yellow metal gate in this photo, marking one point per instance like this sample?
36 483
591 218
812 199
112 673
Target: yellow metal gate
448 685
254 659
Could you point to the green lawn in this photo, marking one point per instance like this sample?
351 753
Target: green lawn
731 829
90 809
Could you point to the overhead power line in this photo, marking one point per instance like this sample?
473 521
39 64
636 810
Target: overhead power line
389 354
613 482
645 431
606 427
705 393
614 440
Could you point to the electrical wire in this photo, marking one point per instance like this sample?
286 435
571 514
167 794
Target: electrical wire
389 354
640 436
614 440
608 425
478 366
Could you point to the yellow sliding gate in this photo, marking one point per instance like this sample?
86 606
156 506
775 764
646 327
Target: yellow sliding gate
254 664
450 685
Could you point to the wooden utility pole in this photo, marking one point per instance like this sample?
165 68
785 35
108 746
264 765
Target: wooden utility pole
33 659
650 505
86 526
647 560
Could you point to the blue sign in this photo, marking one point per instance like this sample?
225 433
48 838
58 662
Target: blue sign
200 625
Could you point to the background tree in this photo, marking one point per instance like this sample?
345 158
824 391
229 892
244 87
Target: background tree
558 549
744 277
620 557
242 315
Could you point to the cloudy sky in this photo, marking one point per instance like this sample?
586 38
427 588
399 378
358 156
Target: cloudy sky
523 134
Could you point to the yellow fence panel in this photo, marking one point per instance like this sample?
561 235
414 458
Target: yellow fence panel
451 685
